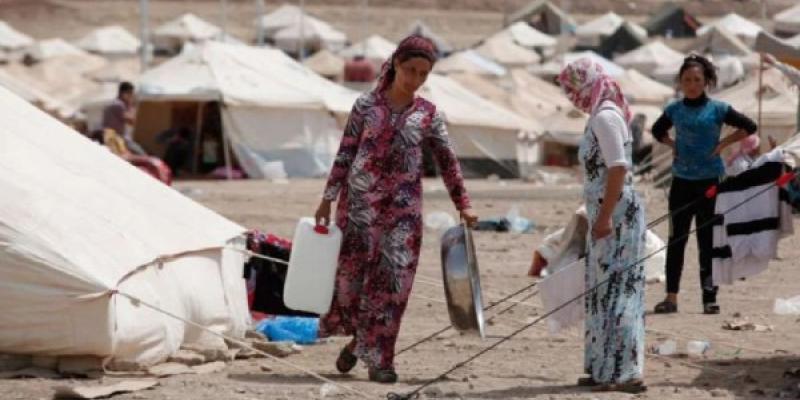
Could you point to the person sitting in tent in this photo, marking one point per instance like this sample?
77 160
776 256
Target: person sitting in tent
119 116
117 145
179 150
377 179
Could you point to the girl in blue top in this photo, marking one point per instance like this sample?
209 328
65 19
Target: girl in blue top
696 166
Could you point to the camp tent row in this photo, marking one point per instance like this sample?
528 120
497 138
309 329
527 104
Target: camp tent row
137 236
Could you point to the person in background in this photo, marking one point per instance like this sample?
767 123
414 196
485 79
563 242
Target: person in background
179 150
696 166
615 278
377 179
120 114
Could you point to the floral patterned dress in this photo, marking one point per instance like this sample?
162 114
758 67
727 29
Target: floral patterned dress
614 335
377 176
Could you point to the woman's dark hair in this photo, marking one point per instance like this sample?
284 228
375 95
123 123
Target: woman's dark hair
405 56
705 65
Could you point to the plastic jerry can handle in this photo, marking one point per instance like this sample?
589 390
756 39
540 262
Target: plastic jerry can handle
321 229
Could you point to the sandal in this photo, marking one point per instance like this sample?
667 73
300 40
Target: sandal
587 381
630 387
711 308
382 375
666 307
346 361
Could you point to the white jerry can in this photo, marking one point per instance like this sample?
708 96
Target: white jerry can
311 275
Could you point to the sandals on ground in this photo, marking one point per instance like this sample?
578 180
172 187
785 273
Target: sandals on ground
710 308
587 381
382 375
346 361
666 307
631 387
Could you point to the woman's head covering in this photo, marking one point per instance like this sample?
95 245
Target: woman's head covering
746 146
587 85
414 45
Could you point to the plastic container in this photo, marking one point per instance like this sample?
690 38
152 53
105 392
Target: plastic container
697 347
301 330
312 267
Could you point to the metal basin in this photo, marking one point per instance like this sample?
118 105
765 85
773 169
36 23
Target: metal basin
462 283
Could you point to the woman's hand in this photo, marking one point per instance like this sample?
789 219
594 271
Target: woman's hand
669 142
323 213
601 227
468 217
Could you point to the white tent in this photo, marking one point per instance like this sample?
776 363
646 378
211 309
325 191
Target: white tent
649 57
274 108
421 28
737 25
375 48
326 63
29 93
640 89
170 36
80 227
553 67
484 134
111 40
779 103
719 41
51 48
592 33
469 61
787 22
312 33
12 39
527 36
794 41
504 51
278 19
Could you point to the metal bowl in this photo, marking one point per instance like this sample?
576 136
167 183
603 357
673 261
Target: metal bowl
462 283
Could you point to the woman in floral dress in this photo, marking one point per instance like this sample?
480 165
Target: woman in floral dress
614 336
377 179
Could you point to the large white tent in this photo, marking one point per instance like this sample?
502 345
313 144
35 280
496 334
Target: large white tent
640 89
649 57
310 33
80 227
52 48
281 17
787 22
375 48
170 36
274 109
469 61
527 36
504 51
484 134
741 27
778 107
591 33
12 39
111 40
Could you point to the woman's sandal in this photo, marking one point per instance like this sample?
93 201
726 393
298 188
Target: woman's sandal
631 387
711 308
666 307
346 361
382 375
587 381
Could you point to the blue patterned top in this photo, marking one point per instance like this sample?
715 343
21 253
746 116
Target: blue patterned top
697 134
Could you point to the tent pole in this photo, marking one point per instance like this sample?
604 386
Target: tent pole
760 93
260 12
197 135
226 148
143 35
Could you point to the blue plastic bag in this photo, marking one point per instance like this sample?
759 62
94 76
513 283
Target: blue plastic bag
301 330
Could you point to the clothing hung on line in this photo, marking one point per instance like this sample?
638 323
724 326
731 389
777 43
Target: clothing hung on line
751 215
266 278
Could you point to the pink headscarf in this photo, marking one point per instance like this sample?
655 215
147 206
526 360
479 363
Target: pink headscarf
746 146
417 44
587 85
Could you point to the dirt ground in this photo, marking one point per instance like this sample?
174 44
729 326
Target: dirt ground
533 365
